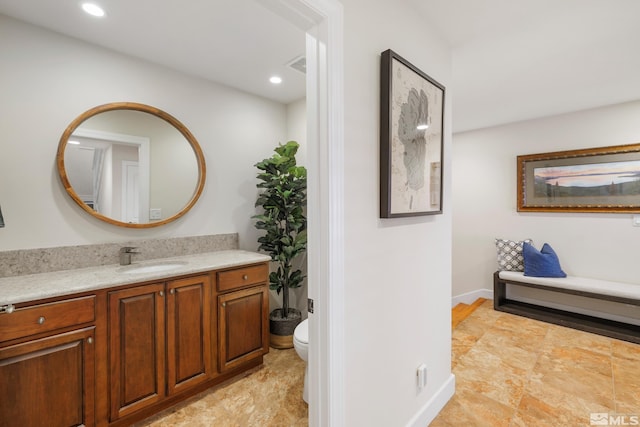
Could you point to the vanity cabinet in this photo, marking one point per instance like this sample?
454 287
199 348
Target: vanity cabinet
243 313
160 342
136 348
123 353
189 339
47 364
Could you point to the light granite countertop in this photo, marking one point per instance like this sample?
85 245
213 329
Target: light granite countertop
18 289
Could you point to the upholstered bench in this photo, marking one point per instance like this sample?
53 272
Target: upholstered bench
592 288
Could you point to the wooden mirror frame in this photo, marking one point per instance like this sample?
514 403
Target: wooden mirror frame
136 107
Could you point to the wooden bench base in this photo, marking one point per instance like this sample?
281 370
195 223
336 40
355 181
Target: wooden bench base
596 325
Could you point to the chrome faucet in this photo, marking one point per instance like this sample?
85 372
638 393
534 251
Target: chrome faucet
125 255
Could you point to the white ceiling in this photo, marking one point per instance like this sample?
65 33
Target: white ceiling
236 42
520 59
512 59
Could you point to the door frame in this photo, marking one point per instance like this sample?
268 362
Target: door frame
144 160
322 21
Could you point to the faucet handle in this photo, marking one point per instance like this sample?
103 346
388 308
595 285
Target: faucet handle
128 250
125 254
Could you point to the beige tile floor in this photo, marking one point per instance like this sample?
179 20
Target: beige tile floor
268 396
514 371
510 371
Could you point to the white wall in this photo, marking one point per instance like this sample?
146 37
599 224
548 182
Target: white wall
297 127
484 199
397 271
47 80
297 131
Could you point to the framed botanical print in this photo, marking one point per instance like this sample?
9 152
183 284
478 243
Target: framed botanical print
411 139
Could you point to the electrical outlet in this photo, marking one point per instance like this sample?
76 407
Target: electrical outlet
421 374
155 213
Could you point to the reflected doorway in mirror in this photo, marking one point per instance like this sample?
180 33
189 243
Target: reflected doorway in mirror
111 136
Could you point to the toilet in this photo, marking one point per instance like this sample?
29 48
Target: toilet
301 344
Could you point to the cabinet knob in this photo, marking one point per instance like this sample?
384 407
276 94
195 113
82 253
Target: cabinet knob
41 320
161 293
90 340
245 277
172 291
224 304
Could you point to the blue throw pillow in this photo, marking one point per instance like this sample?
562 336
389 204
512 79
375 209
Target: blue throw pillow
541 263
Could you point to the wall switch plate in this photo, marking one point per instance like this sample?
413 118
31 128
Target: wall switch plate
155 213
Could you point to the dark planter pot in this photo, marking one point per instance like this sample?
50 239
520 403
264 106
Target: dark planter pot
281 328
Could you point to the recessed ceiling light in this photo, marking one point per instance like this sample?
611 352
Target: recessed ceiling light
93 9
275 80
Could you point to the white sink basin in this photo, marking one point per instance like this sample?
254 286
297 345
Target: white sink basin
152 268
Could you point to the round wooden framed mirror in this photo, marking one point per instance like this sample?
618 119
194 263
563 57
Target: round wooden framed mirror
131 165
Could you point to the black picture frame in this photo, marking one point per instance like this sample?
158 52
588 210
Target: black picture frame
411 139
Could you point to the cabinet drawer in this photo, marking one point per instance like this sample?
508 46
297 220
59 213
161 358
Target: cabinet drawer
46 317
241 277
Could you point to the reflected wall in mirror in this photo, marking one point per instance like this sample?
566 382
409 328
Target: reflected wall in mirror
131 165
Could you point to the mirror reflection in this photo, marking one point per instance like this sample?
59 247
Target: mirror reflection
131 165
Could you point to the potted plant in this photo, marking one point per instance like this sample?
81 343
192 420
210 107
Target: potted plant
283 199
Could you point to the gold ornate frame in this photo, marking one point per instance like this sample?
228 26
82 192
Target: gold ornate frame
604 179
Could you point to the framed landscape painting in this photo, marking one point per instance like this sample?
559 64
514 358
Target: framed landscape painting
411 139
605 179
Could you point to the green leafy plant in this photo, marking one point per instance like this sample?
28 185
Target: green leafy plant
283 199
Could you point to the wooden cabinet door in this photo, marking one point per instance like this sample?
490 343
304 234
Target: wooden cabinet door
49 381
243 331
189 359
136 348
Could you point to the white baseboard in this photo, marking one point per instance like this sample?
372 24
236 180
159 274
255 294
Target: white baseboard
470 297
433 407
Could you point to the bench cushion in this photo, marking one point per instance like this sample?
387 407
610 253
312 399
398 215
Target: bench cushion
596 286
